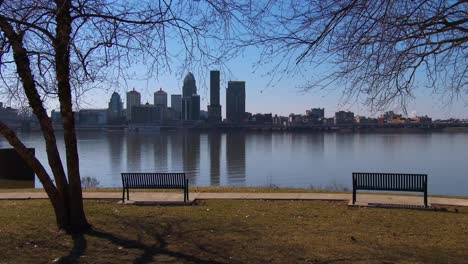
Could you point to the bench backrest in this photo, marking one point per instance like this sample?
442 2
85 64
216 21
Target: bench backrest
390 181
153 180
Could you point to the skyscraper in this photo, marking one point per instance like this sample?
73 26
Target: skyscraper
160 98
189 87
133 99
176 104
235 101
214 109
195 107
190 99
115 109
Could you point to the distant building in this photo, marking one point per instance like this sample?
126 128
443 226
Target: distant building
133 99
92 117
115 110
344 118
189 87
262 119
365 120
315 115
147 114
8 114
421 120
396 120
280 120
190 99
176 104
195 107
235 101
160 98
56 117
214 109
170 115
330 121
392 118
295 119
204 115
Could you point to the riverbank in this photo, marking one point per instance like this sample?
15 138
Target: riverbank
235 232
401 129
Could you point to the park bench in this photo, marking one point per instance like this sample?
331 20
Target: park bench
390 182
154 181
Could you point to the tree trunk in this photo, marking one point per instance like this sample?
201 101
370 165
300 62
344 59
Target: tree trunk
62 69
24 71
66 196
60 197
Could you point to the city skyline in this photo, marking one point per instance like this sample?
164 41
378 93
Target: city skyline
276 100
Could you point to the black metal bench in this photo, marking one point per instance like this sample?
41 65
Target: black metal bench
154 181
390 182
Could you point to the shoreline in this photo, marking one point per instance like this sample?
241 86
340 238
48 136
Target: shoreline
311 130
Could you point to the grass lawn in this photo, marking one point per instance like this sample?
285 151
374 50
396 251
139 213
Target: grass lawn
235 232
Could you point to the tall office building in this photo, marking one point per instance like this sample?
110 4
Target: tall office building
235 101
133 99
189 87
190 99
115 109
195 107
176 104
214 109
160 98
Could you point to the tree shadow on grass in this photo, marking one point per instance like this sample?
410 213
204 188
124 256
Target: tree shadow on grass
158 248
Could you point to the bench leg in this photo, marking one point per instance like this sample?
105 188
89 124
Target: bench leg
128 196
186 195
425 199
354 196
123 195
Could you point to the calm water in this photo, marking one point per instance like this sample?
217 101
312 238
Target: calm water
323 160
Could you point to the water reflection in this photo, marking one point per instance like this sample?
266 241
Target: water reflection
316 143
160 152
277 159
133 145
235 157
345 142
214 141
191 154
115 146
175 149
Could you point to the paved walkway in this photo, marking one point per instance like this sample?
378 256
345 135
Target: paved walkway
170 197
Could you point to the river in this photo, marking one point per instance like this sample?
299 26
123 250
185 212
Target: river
279 159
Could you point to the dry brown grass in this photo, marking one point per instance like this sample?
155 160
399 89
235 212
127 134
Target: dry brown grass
235 232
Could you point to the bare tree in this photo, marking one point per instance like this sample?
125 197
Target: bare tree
58 50
376 50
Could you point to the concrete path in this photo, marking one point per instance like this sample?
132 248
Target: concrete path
170 197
